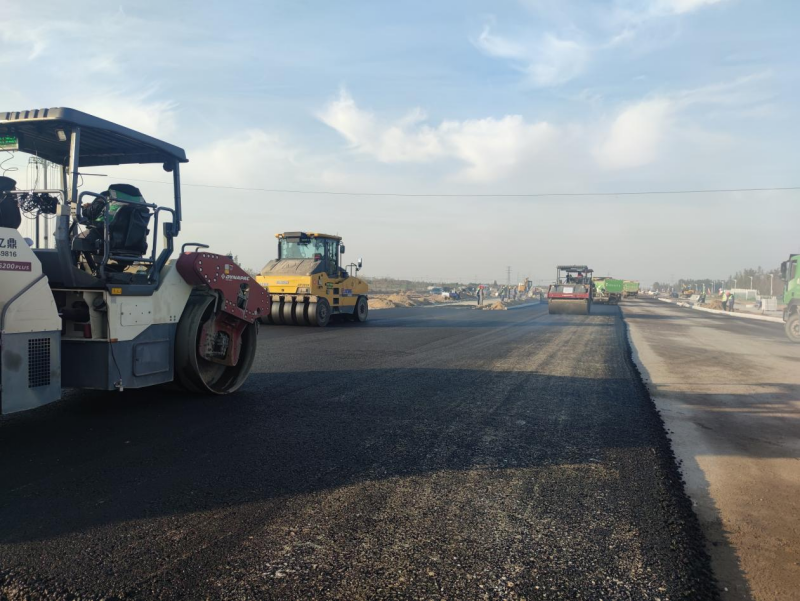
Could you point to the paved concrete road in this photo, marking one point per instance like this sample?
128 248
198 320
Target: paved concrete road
447 454
729 391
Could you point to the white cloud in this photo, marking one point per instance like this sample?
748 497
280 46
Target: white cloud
489 147
682 6
552 59
137 110
408 140
636 134
549 60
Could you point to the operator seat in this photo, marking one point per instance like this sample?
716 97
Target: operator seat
9 208
127 229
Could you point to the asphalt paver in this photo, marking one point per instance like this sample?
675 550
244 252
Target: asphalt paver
447 454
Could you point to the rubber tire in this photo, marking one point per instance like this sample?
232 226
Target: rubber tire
301 313
361 310
322 312
286 312
792 327
275 312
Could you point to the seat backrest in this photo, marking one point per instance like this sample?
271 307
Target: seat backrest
128 230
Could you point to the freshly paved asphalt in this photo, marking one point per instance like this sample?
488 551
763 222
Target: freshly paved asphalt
432 454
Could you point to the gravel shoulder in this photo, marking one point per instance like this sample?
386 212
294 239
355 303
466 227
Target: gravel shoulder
729 393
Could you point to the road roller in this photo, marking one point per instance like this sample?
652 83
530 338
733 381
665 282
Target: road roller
572 291
308 283
104 305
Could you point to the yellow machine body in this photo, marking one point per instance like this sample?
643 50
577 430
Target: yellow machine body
308 283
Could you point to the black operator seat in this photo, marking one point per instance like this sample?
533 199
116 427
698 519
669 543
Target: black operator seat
128 228
9 208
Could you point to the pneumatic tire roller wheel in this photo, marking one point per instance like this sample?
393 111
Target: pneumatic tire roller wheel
361 310
319 312
195 373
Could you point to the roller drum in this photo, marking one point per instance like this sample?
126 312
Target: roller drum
564 306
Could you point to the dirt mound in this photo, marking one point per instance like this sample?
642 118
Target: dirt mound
713 304
398 299
377 302
496 306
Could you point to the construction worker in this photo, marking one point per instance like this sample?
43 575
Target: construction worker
730 301
724 300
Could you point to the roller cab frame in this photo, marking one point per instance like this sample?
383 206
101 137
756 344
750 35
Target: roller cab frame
117 310
308 282
572 292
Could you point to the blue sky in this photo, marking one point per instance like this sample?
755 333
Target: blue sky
449 97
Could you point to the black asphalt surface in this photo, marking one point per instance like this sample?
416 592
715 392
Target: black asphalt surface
431 453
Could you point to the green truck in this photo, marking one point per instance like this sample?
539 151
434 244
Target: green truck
791 297
608 290
630 288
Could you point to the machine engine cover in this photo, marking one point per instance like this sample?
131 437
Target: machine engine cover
243 297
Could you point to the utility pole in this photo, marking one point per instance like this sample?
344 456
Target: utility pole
508 275
772 275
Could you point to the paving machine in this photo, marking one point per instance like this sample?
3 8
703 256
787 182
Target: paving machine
101 311
791 296
572 292
308 284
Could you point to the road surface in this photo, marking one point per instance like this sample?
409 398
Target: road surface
447 454
728 389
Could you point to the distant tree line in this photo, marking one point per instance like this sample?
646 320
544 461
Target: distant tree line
740 279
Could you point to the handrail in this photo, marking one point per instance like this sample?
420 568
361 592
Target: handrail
15 297
156 263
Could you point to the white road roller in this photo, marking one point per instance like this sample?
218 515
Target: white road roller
108 308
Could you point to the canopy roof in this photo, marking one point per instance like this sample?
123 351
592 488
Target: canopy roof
583 268
306 235
102 142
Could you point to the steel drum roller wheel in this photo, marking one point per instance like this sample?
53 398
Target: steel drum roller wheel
195 373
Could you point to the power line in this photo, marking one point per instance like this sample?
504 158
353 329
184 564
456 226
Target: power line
467 195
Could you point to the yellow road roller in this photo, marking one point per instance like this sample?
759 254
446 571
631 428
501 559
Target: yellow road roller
308 283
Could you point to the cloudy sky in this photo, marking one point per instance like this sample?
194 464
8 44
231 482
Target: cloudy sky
449 98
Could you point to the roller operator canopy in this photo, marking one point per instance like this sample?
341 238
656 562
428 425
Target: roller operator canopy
306 235
46 133
583 268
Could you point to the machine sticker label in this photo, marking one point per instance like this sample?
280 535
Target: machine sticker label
8 243
568 289
347 292
15 266
329 285
243 278
284 282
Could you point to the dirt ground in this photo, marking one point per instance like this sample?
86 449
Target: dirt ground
406 299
